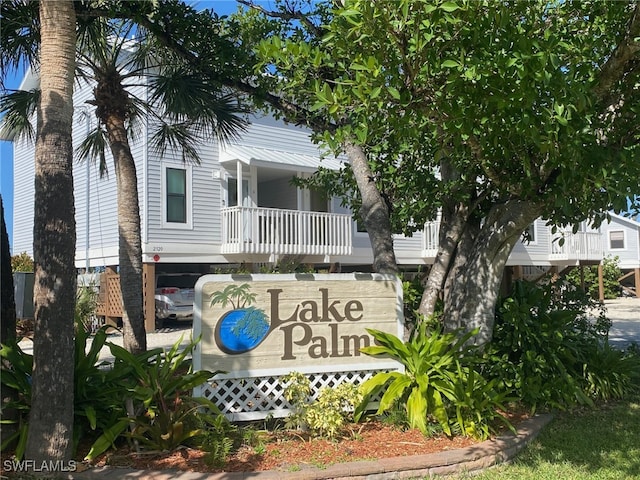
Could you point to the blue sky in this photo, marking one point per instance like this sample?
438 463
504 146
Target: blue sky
12 81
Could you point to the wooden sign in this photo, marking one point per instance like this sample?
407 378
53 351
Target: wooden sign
254 325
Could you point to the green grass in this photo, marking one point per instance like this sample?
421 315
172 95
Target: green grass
601 444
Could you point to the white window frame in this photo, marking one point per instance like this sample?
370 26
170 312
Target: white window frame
188 225
624 239
533 227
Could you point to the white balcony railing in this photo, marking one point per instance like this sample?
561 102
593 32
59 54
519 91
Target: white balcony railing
272 231
576 246
430 238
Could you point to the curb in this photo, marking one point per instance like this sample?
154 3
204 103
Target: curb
469 459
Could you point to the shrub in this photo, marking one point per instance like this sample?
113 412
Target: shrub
439 383
156 394
85 309
145 397
610 275
551 353
22 263
324 416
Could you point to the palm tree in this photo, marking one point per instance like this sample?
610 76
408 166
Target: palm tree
182 108
50 431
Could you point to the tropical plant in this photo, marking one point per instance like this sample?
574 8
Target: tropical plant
158 386
437 383
98 391
7 325
86 304
532 352
146 397
609 373
551 354
15 373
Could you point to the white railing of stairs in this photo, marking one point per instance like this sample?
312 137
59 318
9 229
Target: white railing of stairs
273 231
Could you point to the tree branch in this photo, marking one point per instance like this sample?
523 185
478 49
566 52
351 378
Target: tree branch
288 15
617 65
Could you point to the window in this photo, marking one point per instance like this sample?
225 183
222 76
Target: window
176 184
616 239
176 195
529 235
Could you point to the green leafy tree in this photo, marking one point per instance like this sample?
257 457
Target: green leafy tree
244 74
496 114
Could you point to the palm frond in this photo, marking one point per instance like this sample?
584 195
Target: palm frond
19 107
211 110
19 35
177 137
93 148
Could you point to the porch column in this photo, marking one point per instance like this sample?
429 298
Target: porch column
637 281
239 187
253 186
600 282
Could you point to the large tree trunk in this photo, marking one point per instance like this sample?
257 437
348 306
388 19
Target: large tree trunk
452 225
453 221
474 283
130 242
54 241
374 212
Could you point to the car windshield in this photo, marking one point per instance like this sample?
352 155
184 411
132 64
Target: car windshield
179 281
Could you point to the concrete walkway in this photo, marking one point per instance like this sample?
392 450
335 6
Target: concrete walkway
625 315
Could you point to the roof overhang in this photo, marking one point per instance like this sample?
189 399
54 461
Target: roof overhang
279 159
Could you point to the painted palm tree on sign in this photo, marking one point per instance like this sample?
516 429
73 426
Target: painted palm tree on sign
134 82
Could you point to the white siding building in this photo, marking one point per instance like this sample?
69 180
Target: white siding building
238 207
621 239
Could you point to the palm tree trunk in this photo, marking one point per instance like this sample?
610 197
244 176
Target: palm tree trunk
54 234
130 242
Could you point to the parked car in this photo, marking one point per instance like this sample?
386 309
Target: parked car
174 296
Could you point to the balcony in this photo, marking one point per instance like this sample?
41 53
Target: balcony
580 246
586 246
272 231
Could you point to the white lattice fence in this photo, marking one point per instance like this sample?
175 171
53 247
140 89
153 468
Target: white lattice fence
253 398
